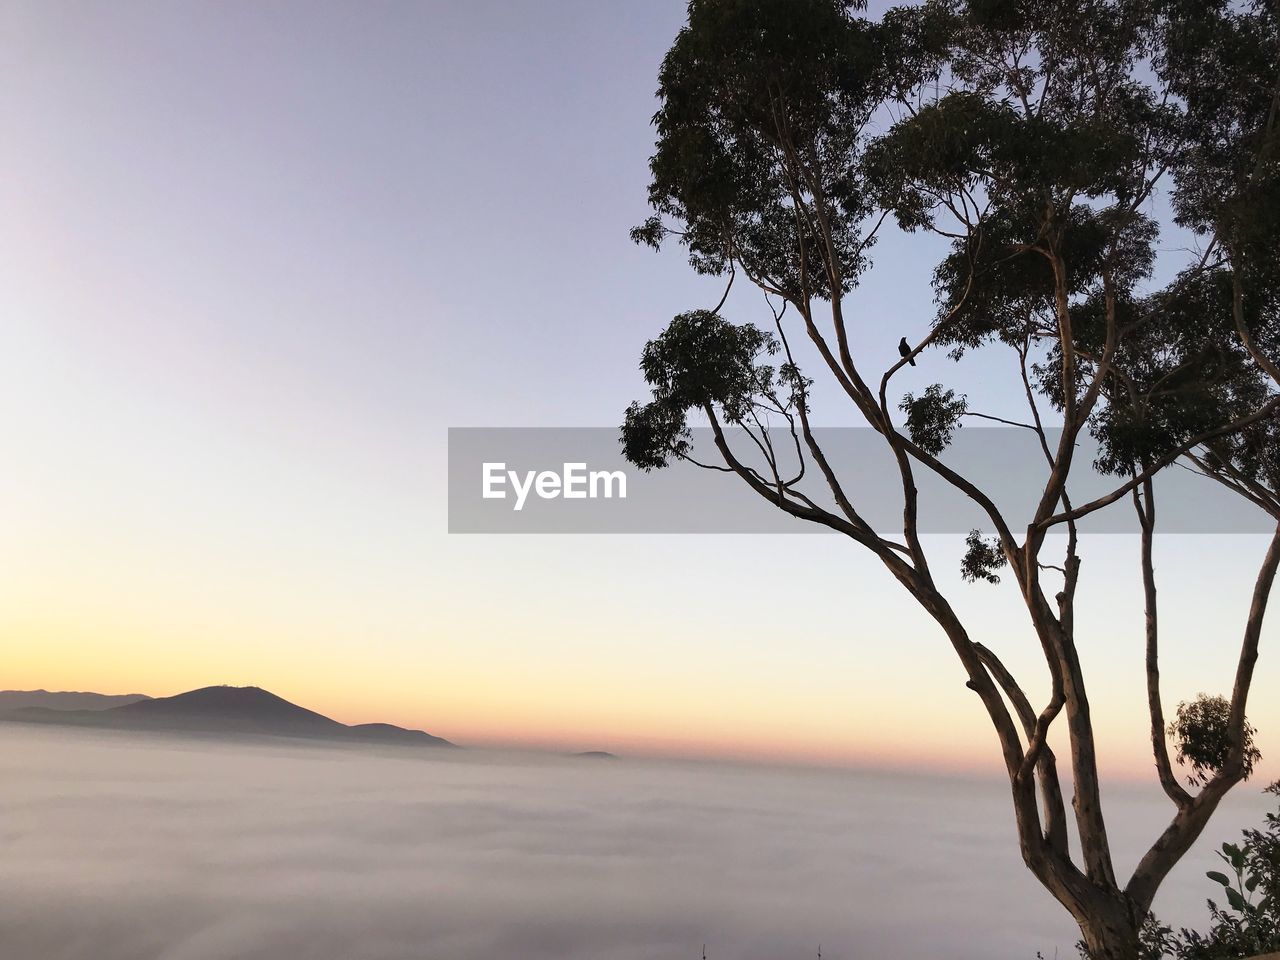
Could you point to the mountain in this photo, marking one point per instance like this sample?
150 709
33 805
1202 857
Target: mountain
251 709
65 700
389 733
595 755
228 711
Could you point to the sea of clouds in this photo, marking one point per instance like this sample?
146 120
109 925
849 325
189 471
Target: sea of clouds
121 846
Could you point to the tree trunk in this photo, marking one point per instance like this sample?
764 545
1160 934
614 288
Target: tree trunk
1111 932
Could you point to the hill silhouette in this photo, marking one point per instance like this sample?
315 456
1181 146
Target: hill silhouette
65 699
225 710
242 706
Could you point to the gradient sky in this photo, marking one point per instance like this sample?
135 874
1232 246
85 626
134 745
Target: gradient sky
257 258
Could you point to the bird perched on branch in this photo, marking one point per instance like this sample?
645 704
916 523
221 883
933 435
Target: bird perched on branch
905 351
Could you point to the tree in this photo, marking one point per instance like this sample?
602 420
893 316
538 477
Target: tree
1033 136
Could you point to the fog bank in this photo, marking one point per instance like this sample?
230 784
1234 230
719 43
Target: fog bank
119 846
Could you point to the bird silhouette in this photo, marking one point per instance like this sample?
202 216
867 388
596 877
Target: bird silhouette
905 351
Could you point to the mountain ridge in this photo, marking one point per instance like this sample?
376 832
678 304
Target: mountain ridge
221 709
66 699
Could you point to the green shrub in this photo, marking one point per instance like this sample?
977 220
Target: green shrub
1249 922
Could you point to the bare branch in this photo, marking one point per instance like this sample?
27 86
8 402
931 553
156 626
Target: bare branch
1145 506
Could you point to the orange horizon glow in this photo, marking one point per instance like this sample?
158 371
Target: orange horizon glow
470 725
573 658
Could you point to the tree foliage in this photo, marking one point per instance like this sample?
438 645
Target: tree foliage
982 558
1201 732
933 417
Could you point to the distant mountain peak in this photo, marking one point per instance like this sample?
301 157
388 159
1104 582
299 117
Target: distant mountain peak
241 704
221 709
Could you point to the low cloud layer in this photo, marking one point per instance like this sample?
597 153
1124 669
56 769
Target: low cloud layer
123 847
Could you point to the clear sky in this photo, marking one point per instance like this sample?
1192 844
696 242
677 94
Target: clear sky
255 259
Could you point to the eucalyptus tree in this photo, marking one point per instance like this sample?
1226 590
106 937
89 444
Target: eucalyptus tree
1034 136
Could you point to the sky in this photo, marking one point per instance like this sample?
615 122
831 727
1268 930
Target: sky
256 259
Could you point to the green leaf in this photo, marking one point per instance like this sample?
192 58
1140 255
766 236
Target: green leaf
1236 901
1217 877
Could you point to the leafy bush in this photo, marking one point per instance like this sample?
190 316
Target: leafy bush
1249 923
